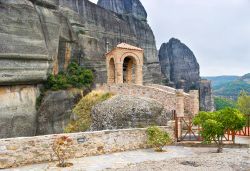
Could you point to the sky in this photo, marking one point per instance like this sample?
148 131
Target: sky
217 31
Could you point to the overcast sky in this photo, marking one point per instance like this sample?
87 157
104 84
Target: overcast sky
217 31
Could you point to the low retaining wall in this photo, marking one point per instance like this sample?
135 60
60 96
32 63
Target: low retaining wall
28 150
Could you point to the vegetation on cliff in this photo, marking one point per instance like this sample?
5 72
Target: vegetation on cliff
83 120
74 77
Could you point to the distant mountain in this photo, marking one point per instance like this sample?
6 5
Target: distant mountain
219 80
230 86
246 78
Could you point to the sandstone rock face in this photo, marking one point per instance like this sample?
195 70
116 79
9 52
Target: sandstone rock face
18 111
30 35
128 7
123 111
55 111
179 65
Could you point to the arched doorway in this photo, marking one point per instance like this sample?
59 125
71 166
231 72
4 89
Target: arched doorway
129 67
111 71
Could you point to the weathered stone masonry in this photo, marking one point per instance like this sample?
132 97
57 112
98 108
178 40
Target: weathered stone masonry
171 100
21 151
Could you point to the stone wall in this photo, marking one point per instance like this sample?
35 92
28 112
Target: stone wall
190 99
21 151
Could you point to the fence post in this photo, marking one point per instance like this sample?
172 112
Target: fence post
176 125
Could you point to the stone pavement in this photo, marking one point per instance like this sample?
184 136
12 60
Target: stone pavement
112 161
175 158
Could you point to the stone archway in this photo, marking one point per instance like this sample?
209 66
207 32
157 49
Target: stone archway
129 66
124 65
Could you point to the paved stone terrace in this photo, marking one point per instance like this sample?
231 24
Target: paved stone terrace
176 158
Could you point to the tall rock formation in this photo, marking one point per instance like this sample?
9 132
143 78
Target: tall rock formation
179 65
206 96
182 71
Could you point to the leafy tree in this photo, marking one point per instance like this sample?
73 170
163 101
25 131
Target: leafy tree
222 103
243 102
215 124
157 138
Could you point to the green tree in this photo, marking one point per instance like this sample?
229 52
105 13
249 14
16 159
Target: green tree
243 102
215 124
222 103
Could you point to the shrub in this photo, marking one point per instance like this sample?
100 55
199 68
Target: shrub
157 138
75 76
62 149
83 111
215 124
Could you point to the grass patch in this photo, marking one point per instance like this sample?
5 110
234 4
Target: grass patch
83 111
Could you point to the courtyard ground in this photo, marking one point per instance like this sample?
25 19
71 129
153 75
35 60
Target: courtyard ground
175 158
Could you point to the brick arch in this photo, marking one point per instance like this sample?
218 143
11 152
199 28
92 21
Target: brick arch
131 55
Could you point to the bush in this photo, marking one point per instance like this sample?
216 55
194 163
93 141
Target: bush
157 138
75 76
83 111
62 149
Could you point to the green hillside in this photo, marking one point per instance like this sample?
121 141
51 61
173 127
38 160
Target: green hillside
230 86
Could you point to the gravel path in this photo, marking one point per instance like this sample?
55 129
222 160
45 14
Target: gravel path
204 160
176 158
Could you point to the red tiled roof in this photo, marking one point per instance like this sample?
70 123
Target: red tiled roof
127 46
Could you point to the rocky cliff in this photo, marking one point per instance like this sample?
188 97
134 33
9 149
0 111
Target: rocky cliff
129 7
182 71
44 36
39 37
